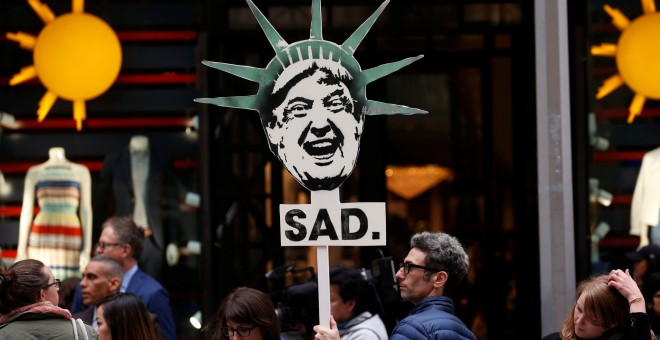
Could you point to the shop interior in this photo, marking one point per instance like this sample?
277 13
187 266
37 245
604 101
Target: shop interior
467 168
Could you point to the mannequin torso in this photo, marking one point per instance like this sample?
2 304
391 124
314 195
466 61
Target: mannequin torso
60 234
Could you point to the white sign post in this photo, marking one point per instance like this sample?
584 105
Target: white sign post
327 222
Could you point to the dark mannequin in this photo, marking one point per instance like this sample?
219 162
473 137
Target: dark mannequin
159 185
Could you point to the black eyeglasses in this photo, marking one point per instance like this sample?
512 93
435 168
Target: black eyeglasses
103 245
57 283
242 331
408 266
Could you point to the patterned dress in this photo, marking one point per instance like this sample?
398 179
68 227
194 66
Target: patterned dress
56 235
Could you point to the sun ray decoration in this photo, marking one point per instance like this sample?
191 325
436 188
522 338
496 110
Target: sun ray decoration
77 57
315 48
636 53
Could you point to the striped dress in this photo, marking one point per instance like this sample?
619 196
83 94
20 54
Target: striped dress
56 235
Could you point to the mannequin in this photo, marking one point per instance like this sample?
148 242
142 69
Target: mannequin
61 234
141 181
5 189
645 207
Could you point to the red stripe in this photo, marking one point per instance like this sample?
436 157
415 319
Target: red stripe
620 242
621 199
8 253
170 78
56 230
14 211
165 78
604 156
157 35
7 168
623 113
103 123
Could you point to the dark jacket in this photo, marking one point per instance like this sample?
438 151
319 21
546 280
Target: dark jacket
154 296
432 318
86 315
636 328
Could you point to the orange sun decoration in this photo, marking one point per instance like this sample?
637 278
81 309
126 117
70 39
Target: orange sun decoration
636 53
77 57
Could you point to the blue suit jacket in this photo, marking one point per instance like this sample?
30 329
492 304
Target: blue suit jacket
154 296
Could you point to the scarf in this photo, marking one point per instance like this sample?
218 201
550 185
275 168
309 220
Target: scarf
44 307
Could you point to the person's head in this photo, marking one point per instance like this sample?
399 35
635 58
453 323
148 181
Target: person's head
349 293
67 291
435 265
27 282
247 314
316 123
124 316
122 240
102 278
651 292
597 309
645 261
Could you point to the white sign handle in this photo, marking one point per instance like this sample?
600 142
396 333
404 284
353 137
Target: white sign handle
327 198
323 264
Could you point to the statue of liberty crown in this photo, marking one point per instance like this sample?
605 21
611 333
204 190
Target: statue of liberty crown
314 48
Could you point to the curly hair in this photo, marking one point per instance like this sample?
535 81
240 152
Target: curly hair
445 253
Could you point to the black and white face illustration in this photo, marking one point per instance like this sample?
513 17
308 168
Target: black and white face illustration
316 124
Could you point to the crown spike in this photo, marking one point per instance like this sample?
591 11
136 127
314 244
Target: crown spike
351 44
254 74
299 53
320 52
310 55
373 108
383 70
316 31
239 102
288 53
276 41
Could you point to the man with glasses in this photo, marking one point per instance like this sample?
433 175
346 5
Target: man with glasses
431 272
102 277
122 240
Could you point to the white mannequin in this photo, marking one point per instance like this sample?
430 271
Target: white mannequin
140 144
5 189
645 206
35 174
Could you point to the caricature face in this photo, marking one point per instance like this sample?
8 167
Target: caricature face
315 131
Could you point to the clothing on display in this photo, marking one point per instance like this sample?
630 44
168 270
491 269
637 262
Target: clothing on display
60 234
645 207
142 182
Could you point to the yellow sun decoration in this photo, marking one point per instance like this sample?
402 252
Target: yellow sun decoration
77 57
636 56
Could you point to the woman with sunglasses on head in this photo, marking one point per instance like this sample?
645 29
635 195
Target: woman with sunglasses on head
124 316
29 305
246 314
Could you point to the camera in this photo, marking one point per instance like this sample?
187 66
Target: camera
296 304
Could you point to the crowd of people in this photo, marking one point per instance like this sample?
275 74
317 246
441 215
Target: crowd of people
116 300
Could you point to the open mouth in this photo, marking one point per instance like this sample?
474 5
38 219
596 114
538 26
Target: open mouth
322 150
